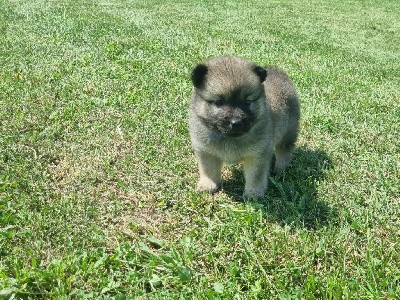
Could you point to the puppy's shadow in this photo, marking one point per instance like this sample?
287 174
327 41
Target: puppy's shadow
292 197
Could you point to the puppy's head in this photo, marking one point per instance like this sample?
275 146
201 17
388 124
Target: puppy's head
228 94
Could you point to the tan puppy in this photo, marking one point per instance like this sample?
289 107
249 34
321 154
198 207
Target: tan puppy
241 112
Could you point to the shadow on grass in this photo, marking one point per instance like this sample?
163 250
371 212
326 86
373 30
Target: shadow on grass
291 198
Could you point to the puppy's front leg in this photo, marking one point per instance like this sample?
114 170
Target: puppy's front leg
210 172
256 171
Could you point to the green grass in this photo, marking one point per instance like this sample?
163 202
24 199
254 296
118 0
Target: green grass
97 175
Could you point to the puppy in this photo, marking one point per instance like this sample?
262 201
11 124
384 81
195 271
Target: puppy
241 112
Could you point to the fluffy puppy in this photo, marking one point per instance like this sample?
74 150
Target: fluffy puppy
241 112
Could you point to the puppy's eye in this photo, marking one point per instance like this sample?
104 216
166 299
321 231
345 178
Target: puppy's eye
250 101
218 103
252 98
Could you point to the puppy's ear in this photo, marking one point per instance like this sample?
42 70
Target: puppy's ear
261 72
198 75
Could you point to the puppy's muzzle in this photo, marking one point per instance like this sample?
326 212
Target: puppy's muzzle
237 126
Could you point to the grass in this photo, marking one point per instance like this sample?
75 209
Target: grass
97 174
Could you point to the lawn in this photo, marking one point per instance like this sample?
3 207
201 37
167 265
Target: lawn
97 174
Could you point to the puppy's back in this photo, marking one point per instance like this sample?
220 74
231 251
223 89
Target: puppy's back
283 102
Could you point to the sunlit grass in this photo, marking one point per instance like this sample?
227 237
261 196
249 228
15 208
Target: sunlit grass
97 174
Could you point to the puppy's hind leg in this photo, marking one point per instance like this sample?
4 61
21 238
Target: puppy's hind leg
284 152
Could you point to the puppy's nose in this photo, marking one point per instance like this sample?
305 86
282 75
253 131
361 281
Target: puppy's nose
237 123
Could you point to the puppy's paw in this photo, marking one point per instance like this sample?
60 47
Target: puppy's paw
207 185
278 169
254 193
281 163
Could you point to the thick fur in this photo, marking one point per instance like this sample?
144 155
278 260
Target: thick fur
241 112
